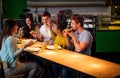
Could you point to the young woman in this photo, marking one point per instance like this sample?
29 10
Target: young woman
9 52
28 27
59 40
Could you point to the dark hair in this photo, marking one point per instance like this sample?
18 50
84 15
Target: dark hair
30 17
7 28
77 18
26 29
62 26
46 14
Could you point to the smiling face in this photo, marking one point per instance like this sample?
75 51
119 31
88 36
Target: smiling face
45 20
28 21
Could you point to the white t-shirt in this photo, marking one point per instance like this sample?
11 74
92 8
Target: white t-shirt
45 32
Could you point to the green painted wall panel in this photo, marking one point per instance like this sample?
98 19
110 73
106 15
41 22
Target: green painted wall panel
107 41
13 8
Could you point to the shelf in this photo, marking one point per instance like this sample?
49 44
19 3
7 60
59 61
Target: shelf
111 24
115 8
89 21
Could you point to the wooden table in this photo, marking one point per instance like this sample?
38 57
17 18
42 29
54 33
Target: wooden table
86 64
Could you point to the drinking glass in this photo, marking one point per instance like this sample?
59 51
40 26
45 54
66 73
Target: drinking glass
20 35
55 47
47 42
43 46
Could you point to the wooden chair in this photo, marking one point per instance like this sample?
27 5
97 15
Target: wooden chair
1 70
4 64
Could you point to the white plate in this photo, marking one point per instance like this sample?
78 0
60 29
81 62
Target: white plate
28 40
32 49
52 47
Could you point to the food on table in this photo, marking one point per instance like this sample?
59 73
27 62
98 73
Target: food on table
68 29
33 32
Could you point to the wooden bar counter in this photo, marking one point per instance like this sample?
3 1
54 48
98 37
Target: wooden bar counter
82 63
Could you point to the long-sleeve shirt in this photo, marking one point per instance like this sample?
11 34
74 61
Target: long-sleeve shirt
9 51
60 40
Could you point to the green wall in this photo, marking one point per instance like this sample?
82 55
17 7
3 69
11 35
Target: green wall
13 8
107 41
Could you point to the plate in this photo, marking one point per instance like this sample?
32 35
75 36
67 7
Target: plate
28 40
52 47
32 49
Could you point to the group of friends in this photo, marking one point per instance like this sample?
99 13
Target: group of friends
75 38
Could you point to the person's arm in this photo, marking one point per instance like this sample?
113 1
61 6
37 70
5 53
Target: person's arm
53 28
68 40
53 34
39 37
11 48
64 43
84 42
80 46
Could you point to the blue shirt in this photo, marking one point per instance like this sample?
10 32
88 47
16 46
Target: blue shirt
85 36
9 51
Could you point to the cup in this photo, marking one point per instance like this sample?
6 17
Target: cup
47 42
19 40
55 47
43 46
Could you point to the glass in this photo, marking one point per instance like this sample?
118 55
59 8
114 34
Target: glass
43 46
55 47
47 42
20 35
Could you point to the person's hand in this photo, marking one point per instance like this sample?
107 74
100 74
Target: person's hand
49 23
71 34
65 33
33 33
28 44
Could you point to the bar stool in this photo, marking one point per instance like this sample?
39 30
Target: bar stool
14 76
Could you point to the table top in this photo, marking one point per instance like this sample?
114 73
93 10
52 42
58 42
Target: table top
83 63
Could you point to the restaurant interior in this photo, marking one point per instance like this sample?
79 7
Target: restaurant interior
101 18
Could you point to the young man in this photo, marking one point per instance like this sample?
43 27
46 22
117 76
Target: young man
80 40
48 29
